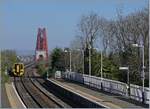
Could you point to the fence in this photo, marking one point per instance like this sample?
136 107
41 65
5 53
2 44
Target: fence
108 85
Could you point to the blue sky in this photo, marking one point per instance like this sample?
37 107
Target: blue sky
20 19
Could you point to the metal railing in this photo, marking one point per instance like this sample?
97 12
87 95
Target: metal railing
108 85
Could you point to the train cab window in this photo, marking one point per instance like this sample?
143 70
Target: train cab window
17 67
21 66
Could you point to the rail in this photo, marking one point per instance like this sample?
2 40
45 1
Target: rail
26 90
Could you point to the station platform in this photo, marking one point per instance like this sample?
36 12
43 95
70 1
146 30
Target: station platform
107 99
4 98
13 97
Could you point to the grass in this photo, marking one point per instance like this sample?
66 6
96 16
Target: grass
5 78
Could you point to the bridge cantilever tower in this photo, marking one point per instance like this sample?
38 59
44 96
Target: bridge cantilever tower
41 52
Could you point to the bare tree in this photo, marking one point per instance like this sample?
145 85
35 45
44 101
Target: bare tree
89 29
119 34
117 37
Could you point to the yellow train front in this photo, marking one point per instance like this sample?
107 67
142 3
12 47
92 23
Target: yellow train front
18 69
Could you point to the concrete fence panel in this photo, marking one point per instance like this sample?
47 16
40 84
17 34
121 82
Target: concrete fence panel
108 85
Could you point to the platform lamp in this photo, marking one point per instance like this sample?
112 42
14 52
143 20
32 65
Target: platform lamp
101 67
82 50
143 67
70 57
128 79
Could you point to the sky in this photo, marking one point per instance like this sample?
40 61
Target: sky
20 19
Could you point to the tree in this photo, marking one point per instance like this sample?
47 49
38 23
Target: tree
41 67
88 30
117 36
7 59
57 59
120 34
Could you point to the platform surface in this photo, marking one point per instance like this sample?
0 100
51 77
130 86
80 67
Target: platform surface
13 98
110 100
4 98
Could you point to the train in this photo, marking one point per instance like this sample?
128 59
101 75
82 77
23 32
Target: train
18 69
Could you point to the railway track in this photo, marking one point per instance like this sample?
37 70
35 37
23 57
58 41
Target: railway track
24 95
31 95
44 83
52 97
35 92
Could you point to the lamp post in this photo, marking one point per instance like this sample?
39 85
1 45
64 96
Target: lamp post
101 70
101 67
70 61
47 74
70 58
143 67
128 79
101 62
89 59
83 58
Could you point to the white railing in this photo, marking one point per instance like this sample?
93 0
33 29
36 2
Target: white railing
136 93
108 85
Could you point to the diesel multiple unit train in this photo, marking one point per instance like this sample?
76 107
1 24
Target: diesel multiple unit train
18 69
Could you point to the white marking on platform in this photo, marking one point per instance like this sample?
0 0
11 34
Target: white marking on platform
69 88
18 95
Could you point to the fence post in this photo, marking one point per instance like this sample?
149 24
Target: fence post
143 97
101 85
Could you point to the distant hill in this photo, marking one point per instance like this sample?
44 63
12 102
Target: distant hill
25 52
